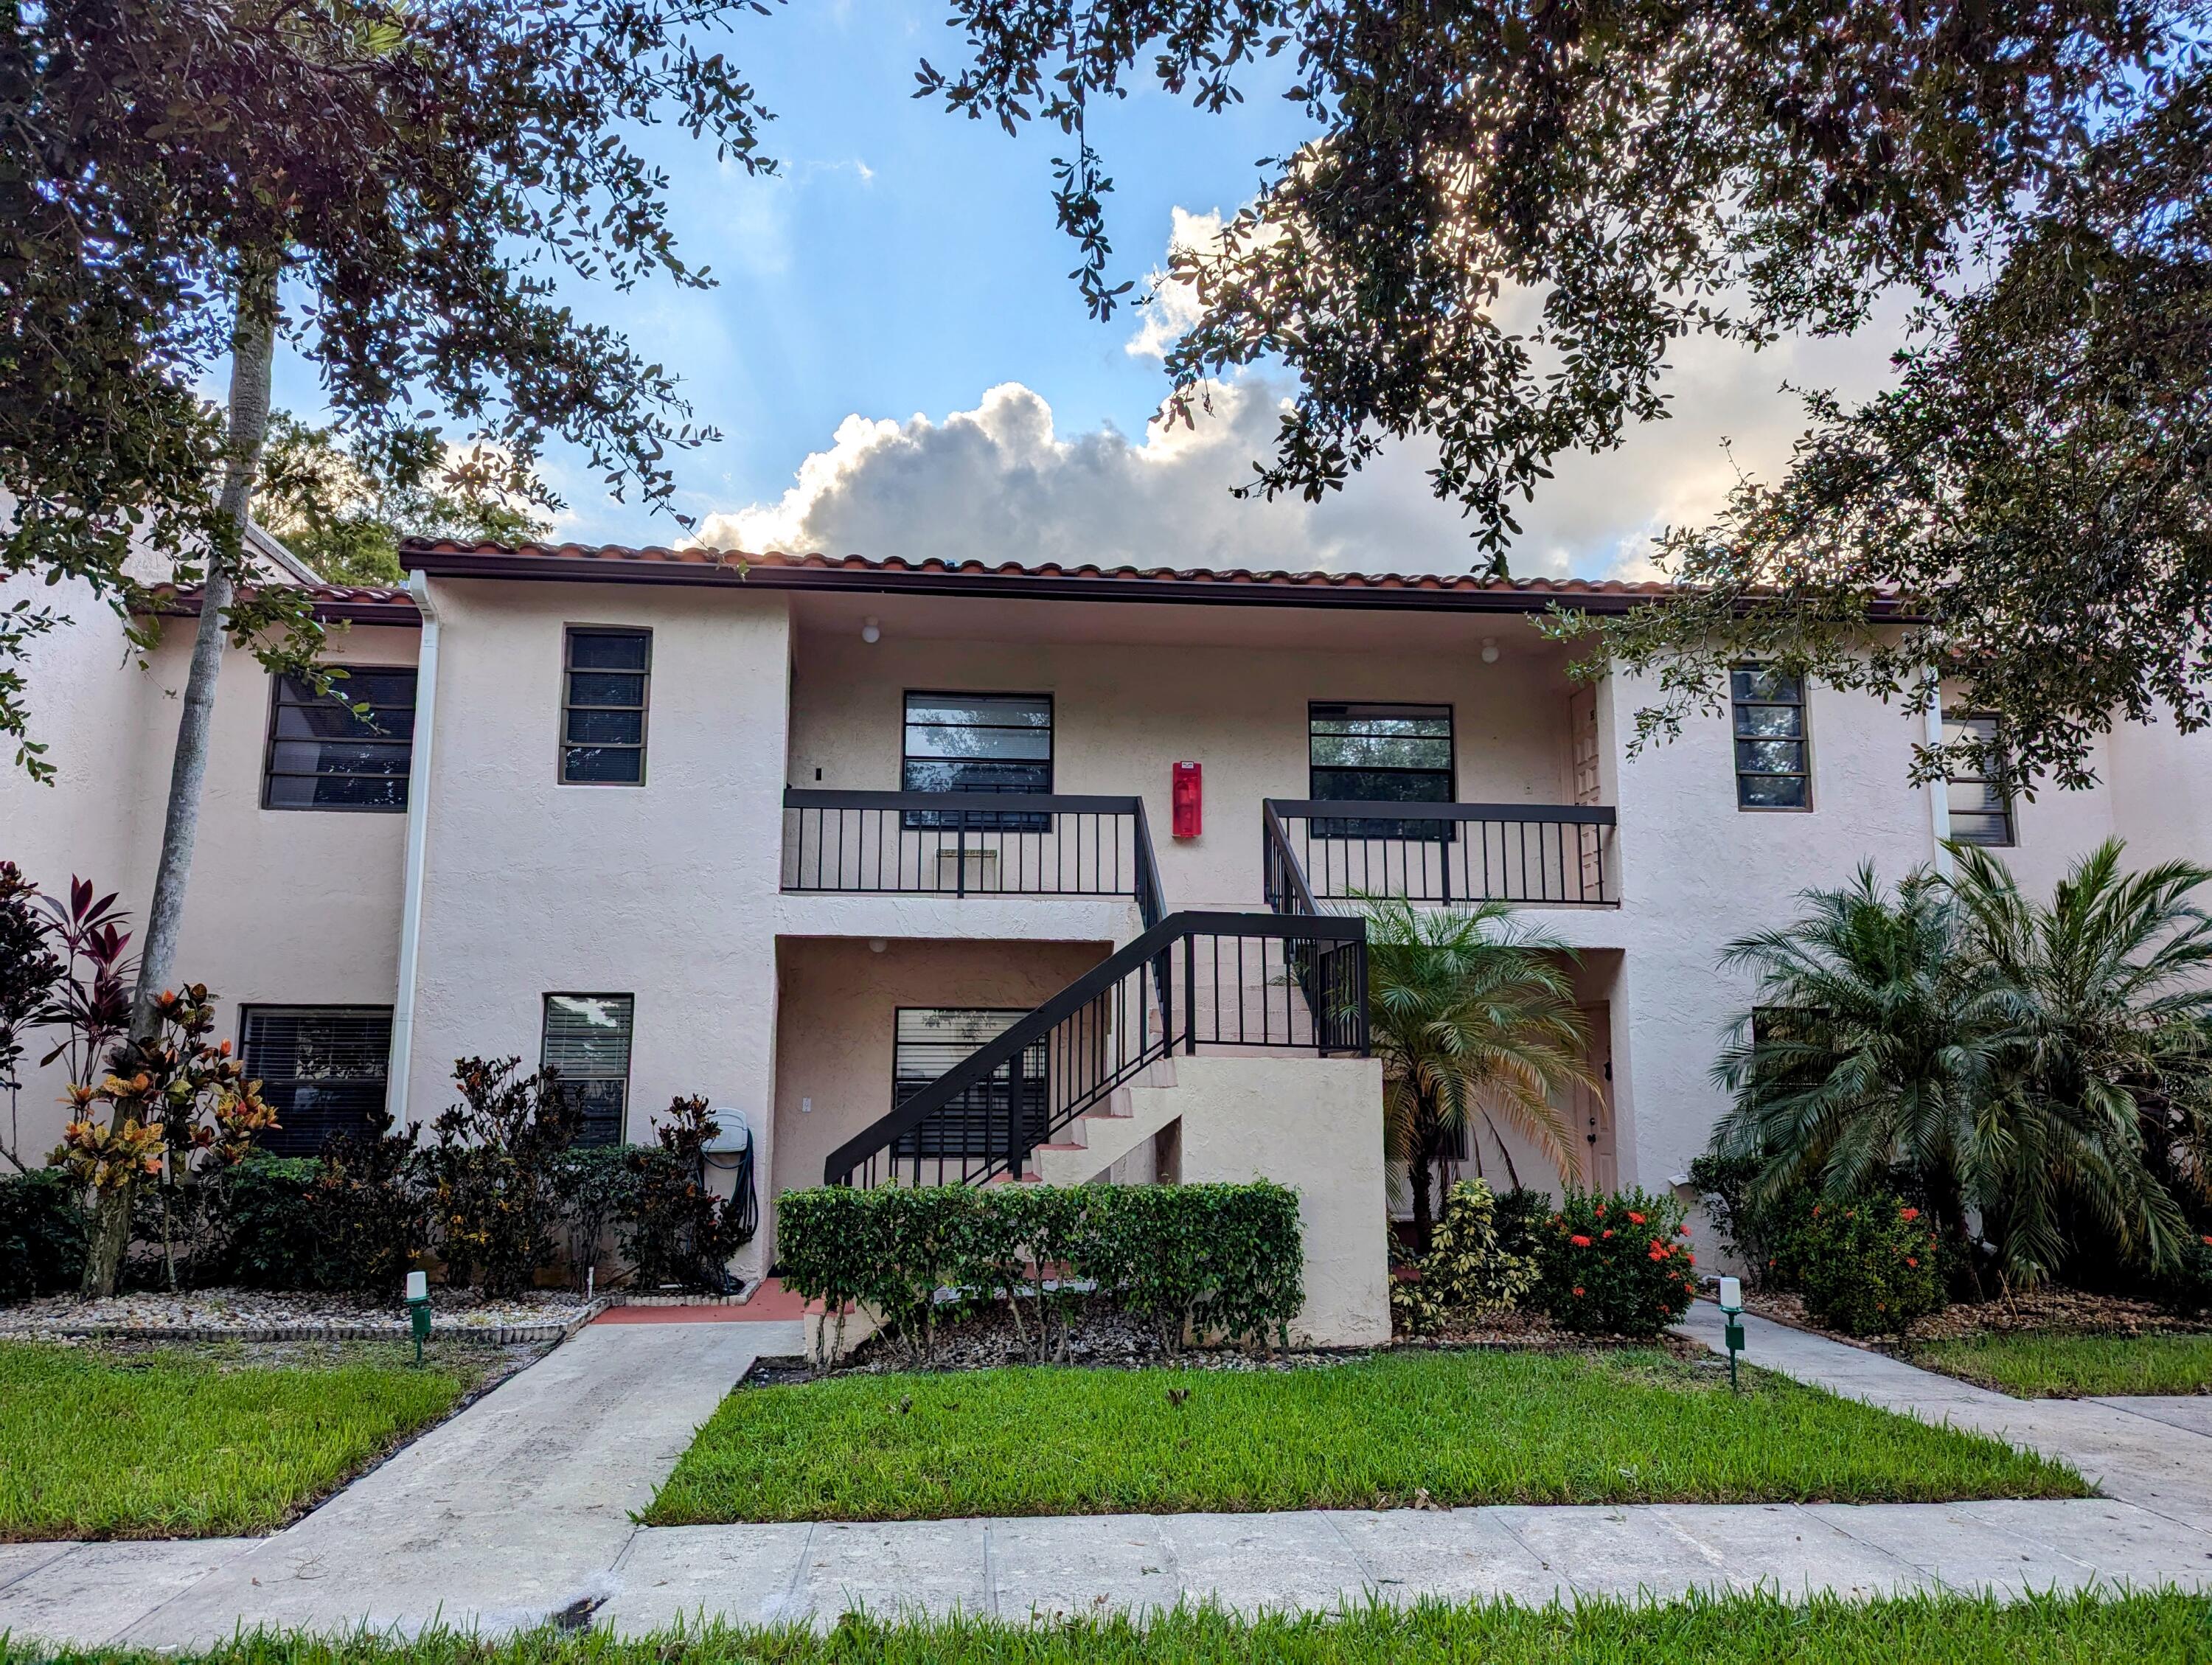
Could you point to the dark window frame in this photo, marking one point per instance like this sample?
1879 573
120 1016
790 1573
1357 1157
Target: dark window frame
1802 739
278 704
249 1010
2008 810
979 1129
630 1051
916 820
1426 831
563 745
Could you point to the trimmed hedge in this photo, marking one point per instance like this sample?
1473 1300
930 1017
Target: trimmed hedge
1223 1259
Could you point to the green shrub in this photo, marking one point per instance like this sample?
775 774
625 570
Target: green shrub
275 1232
595 1184
2187 1289
1868 1268
675 1229
42 1236
495 1173
1467 1272
1615 1264
1217 1258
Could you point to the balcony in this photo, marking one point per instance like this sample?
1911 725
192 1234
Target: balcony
1447 853
968 844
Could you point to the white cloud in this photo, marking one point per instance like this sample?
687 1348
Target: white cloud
1000 482
1171 307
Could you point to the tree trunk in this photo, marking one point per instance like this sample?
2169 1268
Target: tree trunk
1418 1161
253 343
110 1236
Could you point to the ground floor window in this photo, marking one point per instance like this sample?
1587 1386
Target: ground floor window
322 1068
1980 800
587 1039
929 1041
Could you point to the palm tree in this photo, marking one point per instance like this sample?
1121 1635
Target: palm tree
2110 1069
1474 1018
2011 1055
1872 1041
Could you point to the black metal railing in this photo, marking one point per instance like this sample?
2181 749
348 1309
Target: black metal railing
1193 980
965 844
1443 853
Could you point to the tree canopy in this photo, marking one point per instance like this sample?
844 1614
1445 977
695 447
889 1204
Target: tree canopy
342 507
413 173
2029 506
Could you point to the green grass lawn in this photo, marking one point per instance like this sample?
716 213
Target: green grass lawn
1471 1427
2050 1366
187 1442
1740 1630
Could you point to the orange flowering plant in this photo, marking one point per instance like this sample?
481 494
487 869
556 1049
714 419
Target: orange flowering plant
1615 1264
169 1107
1867 1267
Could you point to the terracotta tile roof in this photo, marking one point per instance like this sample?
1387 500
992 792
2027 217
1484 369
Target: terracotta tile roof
618 563
355 604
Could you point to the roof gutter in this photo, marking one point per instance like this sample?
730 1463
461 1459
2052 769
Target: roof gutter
418 839
1026 586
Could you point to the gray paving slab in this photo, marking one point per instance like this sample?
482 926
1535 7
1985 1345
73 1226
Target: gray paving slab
1787 1549
21 1560
1070 1566
1261 1563
1964 1552
507 1513
2189 1411
2125 1543
95 1593
1457 1555
747 1574
895 1567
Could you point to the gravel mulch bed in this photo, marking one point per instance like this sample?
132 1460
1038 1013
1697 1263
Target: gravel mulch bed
2065 1311
254 1314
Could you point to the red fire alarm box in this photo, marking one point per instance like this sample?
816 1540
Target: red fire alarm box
1189 800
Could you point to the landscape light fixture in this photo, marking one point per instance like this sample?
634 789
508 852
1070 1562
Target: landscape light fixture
1732 1326
418 1309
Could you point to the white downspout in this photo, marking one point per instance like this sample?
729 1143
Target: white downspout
1939 789
418 835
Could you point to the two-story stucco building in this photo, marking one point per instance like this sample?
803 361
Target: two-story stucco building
807 835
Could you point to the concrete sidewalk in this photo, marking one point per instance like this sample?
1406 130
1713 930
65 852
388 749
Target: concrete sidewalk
519 1509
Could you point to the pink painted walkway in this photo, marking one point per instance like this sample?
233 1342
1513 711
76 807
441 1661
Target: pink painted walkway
772 1305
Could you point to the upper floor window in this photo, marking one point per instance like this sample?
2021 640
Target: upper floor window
1981 803
322 1069
1371 751
978 742
604 680
325 755
587 1040
1772 769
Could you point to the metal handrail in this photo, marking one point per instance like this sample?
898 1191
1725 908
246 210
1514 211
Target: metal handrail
1040 844
1341 849
1144 958
1347 808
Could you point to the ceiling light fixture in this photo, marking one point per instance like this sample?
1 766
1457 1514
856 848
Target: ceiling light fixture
1490 650
870 630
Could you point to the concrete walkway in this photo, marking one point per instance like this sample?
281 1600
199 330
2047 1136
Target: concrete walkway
518 1509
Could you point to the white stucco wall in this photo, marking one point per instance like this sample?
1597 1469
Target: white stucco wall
662 891
287 906
1124 712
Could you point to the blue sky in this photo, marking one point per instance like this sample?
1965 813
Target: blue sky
894 320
